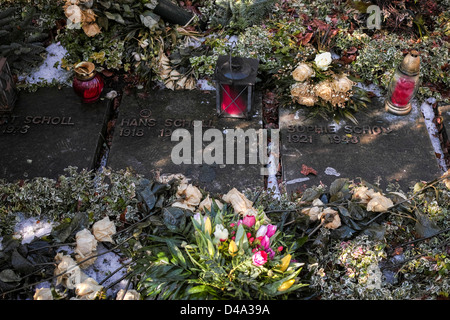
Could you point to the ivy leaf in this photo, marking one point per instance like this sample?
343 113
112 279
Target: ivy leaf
9 275
339 189
65 230
174 218
149 19
115 16
310 194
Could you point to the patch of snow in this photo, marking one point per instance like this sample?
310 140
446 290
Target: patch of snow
204 84
298 180
28 229
332 172
428 114
104 265
50 69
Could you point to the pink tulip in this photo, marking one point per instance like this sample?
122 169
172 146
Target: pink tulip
280 248
271 229
271 253
265 242
249 221
259 258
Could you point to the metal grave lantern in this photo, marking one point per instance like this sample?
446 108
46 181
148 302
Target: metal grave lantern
8 93
235 79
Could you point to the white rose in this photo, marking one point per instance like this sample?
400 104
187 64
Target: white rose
103 230
323 60
221 233
323 90
43 294
86 247
129 295
69 273
342 84
88 289
302 72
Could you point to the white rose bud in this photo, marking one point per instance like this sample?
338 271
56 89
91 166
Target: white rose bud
323 60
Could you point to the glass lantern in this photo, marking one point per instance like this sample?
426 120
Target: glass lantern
87 83
235 79
404 85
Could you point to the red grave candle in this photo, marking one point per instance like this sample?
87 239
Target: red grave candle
87 83
232 104
403 85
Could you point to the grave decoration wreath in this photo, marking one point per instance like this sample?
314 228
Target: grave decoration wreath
328 90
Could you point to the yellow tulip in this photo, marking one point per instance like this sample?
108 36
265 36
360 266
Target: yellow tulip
232 248
286 285
208 226
285 263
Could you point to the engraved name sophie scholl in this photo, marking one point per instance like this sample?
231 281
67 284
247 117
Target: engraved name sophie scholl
349 134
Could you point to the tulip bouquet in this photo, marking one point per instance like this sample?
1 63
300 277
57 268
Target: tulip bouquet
321 84
243 256
226 254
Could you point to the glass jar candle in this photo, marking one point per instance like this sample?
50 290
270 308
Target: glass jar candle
87 83
404 85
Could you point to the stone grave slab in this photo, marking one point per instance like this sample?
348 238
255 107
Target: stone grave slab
381 148
49 130
143 139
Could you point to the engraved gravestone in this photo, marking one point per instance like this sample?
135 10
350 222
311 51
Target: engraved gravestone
147 132
380 148
48 131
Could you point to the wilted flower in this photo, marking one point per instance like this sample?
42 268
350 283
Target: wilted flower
104 229
238 200
207 204
43 294
69 272
363 194
129 295
379 203
188 196
323 90
88 289
330 218
302 72
259 258
323 60
221 233
314 211
303 94
86 247
342 84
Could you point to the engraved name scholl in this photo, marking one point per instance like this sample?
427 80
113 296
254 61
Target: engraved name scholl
363 129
